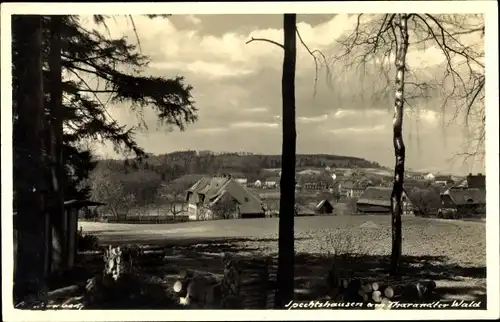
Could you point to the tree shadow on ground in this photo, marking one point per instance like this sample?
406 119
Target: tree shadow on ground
454 282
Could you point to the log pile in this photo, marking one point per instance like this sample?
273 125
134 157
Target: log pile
352 288
347 286
198 289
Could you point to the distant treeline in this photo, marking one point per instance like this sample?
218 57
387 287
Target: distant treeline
252 166
161 181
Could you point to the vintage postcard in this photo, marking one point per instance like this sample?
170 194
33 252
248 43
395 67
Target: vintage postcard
300 160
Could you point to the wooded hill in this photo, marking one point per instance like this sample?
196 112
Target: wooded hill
173 165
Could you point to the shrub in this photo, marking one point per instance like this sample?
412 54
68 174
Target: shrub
86 241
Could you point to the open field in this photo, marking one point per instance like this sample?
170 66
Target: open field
421 236
453 252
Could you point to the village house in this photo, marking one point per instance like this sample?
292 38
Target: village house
462 203
302 210
410 184
242 181
315 185
355 191
443 180
377 200
476 181
417 176
324 207
257 184
351 189
429 177
204 196
272 182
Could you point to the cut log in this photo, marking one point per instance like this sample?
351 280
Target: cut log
184 301
155 252
73 300
365 297
389 292
412 290
367 288
190 273
377 296
385 301
180 287
63 292
375 286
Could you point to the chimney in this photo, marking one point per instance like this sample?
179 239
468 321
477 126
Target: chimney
480 174
470 174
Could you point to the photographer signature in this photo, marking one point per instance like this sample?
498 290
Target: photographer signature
43 306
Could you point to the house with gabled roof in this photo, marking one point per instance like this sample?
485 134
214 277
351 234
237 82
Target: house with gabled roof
324 207
353 189
204 195
272 182
377 200
444 180
469 202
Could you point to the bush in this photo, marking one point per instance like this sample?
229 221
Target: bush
86 241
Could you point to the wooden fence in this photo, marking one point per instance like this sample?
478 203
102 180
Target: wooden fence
145 219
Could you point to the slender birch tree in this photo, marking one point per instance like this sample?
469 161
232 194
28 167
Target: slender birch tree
397 137
380 39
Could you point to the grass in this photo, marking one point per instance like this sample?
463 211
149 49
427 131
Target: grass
463 243
453 252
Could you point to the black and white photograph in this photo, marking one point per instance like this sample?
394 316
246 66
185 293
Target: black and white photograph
202 158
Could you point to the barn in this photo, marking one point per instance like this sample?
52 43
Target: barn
207 196
324 207
463 203
377 200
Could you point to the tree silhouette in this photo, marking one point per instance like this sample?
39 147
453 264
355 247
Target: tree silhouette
380 38
29 146
226 208
174 196
66 47
287 183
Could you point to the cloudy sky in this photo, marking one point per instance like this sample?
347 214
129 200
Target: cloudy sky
237 89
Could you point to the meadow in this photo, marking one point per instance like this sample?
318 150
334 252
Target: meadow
451 252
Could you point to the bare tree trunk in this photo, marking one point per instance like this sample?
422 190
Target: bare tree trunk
31 216
285 277
57 215
399 147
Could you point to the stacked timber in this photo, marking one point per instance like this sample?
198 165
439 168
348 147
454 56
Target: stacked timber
198 289
387 289
248 283
346 285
